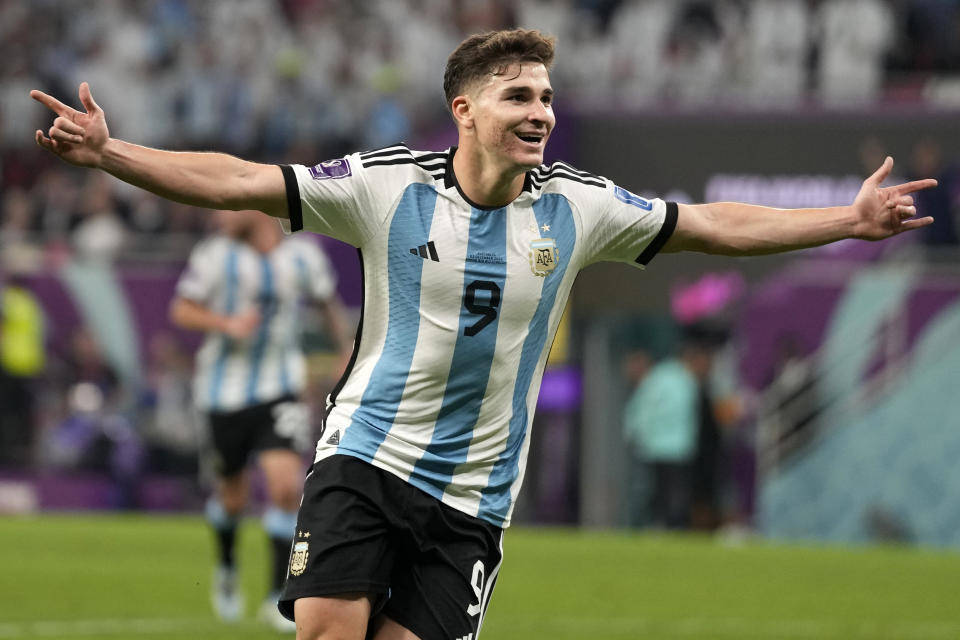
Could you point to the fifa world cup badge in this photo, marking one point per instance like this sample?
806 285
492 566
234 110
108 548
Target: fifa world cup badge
543 256
301 551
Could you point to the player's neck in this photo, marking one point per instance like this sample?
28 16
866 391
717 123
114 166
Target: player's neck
483 182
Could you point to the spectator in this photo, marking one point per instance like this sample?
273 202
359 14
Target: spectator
22 360
927 156
101 233
170 429
662 423
777 39
854 37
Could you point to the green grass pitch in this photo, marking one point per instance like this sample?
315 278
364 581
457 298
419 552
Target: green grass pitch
147 578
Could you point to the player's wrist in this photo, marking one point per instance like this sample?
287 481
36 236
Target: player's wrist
110 156
853 223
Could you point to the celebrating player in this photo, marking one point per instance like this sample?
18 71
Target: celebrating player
469 255
244 287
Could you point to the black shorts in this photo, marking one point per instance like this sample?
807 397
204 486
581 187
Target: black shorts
426 566
281 424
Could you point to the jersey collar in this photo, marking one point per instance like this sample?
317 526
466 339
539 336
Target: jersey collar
450 181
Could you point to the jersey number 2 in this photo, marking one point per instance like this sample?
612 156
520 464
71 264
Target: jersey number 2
485 306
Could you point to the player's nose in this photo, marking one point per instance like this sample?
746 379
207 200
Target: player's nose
541 114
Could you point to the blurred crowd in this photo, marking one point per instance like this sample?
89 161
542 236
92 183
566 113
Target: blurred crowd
281 80
298 80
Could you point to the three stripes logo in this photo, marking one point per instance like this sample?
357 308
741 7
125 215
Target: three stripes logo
426 251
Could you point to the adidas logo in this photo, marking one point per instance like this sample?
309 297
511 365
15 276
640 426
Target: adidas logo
335 438
426 251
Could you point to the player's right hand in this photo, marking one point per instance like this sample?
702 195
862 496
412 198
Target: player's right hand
242 325
76 137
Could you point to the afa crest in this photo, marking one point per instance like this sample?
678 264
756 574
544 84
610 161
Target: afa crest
543 256
298 558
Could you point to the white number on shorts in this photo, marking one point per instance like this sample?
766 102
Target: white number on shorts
476 581
292 420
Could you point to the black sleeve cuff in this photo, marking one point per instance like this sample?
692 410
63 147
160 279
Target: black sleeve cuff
294 210
669 224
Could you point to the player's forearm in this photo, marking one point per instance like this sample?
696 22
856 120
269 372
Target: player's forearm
187 314
335 316
208 180
736 229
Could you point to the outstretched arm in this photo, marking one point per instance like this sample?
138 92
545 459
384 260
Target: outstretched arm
208 180
730 228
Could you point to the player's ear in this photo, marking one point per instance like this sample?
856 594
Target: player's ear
462 109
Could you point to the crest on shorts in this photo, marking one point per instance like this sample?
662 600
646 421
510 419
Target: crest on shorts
543 256
301 551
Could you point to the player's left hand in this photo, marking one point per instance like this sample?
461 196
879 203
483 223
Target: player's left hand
882 212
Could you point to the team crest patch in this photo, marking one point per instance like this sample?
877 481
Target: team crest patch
543 256
331 169
298 558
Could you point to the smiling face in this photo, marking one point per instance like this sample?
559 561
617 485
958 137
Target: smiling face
508 117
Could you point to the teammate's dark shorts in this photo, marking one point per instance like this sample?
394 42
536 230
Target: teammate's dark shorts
280 424
363 530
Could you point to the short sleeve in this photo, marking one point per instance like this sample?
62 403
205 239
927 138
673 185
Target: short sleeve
334 198
199 280
629 228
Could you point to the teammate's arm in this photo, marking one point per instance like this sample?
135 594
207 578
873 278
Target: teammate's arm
189 314
730 228
207 180
337 323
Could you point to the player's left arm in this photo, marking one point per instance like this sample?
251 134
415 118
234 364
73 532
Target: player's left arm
730 228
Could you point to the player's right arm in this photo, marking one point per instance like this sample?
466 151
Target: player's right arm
207 180
190 314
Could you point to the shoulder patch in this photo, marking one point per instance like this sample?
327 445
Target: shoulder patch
339 168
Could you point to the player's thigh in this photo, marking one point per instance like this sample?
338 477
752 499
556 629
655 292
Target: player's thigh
283 473
342 617
441 588
343 541
383 628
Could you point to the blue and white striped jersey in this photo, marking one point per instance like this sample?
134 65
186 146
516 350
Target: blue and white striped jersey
230 277
461 303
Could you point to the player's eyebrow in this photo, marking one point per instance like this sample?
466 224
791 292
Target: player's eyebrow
526 89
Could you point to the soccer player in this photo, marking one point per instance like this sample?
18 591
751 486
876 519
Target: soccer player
469 255
244 287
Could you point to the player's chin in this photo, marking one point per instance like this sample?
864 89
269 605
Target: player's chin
529 159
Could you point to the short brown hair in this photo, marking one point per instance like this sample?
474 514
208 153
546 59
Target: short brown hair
490 53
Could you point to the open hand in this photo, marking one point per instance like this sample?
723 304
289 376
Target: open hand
886 211
76 137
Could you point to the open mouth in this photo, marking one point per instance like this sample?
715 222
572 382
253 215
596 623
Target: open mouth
531 138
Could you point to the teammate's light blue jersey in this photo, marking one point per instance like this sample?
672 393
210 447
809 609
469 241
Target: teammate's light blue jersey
461 303
231 277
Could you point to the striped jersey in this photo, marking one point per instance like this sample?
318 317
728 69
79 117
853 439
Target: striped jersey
461 303
230 277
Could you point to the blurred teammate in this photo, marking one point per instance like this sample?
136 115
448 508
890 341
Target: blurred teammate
469 255
244 287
